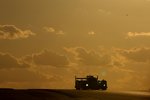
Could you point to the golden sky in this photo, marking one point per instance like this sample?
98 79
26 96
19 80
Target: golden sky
45 43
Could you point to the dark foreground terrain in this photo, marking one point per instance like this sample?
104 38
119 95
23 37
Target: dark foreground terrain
52 94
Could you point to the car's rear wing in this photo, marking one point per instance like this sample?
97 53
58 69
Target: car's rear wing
85 78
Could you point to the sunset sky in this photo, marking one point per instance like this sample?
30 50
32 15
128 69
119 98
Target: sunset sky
45 43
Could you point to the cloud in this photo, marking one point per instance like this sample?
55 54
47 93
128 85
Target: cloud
104 11
91 33
50 58
137 54
11 32
137 34
8 61
60 32
118 60
53 30
91 58
49 29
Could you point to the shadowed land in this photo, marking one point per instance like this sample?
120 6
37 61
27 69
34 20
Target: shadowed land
62 94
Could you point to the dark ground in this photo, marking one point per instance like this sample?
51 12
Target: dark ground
54 94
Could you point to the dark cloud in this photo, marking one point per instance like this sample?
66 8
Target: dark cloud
137 54
8 61
50 58
92 57
12 32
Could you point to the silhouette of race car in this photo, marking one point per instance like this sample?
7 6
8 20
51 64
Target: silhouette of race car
90 83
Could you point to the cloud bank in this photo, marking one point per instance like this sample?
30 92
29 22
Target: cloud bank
121 65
